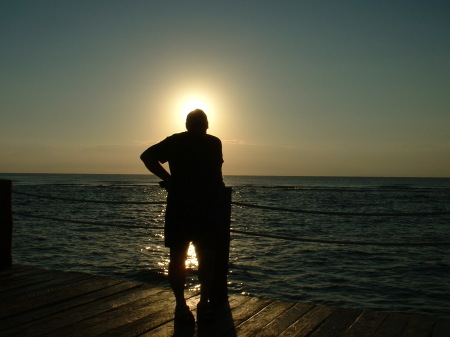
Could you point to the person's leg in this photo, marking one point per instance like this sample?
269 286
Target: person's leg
206 260
177 272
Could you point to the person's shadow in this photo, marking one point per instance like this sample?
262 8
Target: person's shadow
183 329
221 325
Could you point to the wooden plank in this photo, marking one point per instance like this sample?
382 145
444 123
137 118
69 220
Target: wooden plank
97 307
117 317
366 324
251 307
221 325
30 297
441 328
308 322
51 322
162 324
8 287
13 269
392 326
26 276
336 323
419 326
37 285
277 326
75 304
43 284
235 301
263 317
18 281
85 292
223 320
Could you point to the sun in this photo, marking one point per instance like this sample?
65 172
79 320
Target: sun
193 103
190 103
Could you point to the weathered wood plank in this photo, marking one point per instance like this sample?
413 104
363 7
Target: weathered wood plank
117 317
442 328
221 325
366 324
59 319
260 319
24 277
85 292
251 307
166 326
281 323
97 307
223 321
33 296
392 326
419 326
308 322
13 270
44 285
336 323
72 304
20 278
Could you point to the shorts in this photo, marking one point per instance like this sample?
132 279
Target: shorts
192 218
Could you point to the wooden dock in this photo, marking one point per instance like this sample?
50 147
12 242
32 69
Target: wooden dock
39 302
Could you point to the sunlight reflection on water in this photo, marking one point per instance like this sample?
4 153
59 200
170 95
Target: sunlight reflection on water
191 261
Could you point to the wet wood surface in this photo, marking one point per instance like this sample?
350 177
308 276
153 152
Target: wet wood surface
40 302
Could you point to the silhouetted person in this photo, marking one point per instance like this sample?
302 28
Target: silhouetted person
194 186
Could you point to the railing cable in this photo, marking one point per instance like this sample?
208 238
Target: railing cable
93 201
95 223
344 242
272 236
340 213
282 209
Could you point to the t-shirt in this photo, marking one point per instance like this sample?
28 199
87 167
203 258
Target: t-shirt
195 163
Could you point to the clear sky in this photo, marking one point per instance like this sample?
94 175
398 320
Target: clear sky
334 88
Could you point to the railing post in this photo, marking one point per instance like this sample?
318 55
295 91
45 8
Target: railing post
219 291
6 223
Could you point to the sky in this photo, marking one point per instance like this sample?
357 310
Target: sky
297 88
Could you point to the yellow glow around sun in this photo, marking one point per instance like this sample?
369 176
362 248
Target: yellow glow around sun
190 103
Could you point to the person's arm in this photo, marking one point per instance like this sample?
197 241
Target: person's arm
154 166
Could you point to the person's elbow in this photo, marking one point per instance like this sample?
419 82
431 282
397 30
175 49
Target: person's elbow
148 158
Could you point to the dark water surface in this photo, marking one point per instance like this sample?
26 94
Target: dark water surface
120 240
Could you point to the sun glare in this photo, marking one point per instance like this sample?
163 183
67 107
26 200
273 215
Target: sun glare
191 103
191 261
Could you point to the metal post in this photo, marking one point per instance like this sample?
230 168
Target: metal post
6 223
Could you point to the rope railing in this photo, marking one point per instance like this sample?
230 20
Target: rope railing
281 209
340 213
255 234
345 242
95 223
92 201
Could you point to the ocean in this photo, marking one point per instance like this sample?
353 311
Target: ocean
340 254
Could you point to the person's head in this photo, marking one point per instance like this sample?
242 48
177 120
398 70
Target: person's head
197 121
